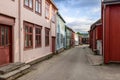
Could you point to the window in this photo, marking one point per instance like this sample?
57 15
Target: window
4 36
53 15
61 39
28 3
28 33
58 39
38 36
47 10
38 6
47 36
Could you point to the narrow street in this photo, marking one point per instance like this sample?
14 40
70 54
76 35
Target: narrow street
72 65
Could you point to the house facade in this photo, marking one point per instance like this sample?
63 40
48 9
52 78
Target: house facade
85 38
96 39
70 38
105 33
27 30
61 35
9 28
76 39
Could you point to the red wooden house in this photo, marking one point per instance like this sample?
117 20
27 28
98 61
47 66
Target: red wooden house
96 33
111 30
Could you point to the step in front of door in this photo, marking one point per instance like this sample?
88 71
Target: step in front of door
10 67
11 75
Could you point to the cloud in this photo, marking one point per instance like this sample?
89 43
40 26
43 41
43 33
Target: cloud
79 25
79 14
78 3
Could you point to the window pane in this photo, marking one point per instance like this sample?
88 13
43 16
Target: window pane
47 10
30 40
47 37
26 40
28 36
53 15
7 36
26 2
38 37
36 30
39 31
26 29
36 41
30 30
30 3
2 36
39 8
36 7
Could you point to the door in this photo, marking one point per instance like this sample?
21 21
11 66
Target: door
53 44
99 47
5 44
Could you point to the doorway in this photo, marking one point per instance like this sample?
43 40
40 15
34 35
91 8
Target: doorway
5 44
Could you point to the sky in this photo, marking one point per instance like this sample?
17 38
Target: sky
79 14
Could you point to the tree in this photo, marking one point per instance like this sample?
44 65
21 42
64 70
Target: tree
78 33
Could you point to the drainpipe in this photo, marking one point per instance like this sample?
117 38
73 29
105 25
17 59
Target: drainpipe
19 24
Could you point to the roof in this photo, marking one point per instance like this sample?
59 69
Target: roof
69 29
98 22
60 17
53 3
110 2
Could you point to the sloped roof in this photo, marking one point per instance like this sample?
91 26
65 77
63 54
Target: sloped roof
61 17
108 2
69 28
98 22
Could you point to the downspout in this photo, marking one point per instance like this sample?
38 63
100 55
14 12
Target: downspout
19 21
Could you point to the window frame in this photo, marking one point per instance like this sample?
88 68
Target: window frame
47 7
48 36
6 36
53 15
28 6
29 25
36 34
40 7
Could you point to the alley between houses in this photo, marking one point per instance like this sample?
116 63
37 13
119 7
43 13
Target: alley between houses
72 64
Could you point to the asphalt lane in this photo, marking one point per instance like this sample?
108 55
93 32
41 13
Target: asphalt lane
71 65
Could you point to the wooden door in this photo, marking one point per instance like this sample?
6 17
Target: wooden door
53 44
5 44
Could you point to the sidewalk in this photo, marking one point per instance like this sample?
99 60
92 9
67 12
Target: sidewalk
94 60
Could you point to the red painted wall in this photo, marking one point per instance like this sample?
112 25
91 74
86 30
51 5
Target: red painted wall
111 41
90 38
99 32
95 34
94 39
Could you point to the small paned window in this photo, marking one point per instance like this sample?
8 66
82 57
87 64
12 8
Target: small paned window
28 33
38 6
28 4
47 36
4 36
53 15
38 36
47 10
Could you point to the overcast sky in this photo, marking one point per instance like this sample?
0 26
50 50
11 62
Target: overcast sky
79 14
